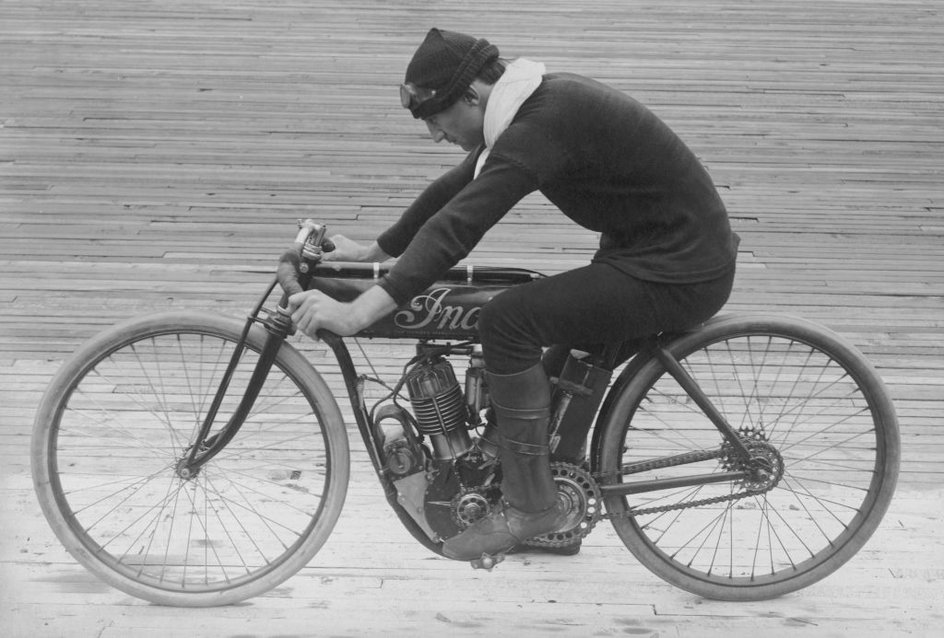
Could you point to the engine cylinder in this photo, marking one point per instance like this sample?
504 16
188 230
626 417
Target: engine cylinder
439 408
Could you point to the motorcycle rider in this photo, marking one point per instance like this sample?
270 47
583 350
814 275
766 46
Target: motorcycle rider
666 259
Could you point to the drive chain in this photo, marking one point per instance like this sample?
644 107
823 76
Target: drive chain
681 459
678 506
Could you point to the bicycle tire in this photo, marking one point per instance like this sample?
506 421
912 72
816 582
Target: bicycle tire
123 410
785 384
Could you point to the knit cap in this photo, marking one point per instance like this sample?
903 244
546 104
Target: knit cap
446 62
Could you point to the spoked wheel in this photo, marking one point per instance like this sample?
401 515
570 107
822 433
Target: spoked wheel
122 413
824 443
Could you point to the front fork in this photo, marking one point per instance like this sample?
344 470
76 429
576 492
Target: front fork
294 276
278 325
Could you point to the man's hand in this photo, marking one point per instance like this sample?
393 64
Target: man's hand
346 249
313 310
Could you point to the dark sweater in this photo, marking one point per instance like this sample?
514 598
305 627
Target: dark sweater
605 160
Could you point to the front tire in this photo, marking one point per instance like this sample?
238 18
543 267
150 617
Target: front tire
125 409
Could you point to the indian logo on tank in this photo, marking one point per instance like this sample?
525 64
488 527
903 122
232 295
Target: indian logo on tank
430 311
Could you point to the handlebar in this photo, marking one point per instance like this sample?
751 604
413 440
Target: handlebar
296 263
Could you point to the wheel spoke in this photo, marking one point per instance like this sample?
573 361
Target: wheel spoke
800 406
127 421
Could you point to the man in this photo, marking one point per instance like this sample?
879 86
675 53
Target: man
666 258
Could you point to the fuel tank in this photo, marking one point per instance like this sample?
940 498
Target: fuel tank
449 309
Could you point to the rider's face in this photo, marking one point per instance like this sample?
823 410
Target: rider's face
459 124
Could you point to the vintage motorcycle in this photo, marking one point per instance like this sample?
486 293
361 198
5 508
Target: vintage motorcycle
192 459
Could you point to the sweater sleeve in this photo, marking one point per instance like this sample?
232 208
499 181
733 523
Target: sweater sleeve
395 239
449 234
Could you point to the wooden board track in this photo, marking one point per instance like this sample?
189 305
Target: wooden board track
156 155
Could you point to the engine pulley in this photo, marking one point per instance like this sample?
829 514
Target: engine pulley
470 506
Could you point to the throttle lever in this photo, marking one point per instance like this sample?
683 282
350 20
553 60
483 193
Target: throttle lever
311 236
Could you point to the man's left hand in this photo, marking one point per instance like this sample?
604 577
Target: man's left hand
313 310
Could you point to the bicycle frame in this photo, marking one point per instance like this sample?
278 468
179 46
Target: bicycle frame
448 310
654 349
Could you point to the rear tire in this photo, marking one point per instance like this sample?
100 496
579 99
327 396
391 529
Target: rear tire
795 391
126 407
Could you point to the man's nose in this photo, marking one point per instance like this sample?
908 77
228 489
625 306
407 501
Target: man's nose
435 133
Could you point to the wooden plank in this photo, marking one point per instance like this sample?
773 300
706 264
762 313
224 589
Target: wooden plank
155 156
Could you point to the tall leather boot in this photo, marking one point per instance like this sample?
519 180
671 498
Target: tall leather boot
530 505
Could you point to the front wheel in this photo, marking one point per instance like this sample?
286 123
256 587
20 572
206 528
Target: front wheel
817 419
121 414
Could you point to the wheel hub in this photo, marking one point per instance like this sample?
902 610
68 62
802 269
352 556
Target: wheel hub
764 468
184 471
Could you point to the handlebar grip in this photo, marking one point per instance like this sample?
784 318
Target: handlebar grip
287 273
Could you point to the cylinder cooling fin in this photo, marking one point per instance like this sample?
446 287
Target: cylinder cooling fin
436 397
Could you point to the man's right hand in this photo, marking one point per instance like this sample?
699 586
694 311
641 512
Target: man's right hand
346 249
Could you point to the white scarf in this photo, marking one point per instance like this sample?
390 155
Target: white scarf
520 79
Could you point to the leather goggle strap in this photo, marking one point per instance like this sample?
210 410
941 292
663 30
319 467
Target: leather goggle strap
481 53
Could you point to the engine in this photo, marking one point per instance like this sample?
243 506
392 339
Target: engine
446 480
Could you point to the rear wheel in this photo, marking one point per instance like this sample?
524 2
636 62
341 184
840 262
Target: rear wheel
820 425
121 414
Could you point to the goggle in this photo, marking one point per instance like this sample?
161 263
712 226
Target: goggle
412 96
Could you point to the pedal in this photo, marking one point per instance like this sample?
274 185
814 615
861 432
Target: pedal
487 561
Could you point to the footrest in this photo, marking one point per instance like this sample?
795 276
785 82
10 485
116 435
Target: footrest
487 561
